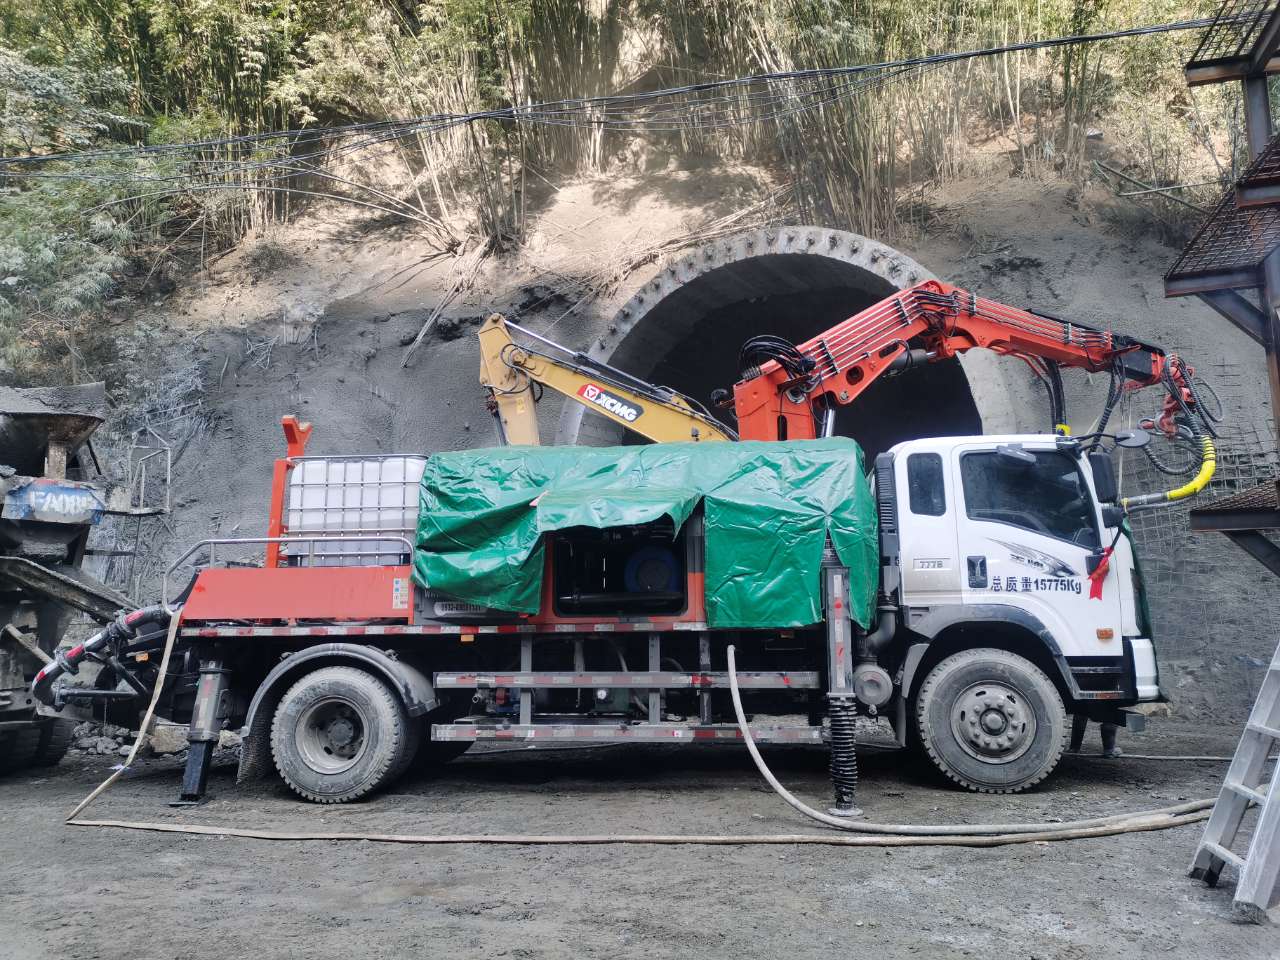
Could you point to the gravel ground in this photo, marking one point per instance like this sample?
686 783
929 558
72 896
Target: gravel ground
88 892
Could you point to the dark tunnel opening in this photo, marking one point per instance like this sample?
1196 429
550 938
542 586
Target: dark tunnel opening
690 341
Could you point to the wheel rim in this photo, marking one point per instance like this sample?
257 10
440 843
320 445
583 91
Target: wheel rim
330 735
993 722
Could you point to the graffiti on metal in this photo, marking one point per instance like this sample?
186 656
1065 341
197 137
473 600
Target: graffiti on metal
53 501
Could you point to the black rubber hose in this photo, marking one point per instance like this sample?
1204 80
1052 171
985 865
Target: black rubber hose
1057 395
1114 391
63 662
886 629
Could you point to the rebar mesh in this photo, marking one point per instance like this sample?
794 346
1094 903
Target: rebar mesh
1265 169
1230 239
1201 584
1236 29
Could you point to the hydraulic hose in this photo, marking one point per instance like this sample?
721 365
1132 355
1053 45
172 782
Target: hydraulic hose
1208 464
63 662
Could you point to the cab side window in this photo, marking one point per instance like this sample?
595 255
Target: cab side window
1048 496
926 491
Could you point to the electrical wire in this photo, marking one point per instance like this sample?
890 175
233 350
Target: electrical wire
665 110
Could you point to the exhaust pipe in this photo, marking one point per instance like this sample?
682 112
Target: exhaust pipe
886 626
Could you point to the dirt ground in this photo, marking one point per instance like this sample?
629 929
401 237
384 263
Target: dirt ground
79 893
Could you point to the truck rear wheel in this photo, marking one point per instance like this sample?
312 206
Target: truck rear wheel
991 721
340 733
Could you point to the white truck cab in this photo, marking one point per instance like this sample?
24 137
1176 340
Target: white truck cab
1007 570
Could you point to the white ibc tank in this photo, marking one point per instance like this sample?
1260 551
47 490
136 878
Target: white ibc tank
357 496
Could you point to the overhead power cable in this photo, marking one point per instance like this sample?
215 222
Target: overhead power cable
713 104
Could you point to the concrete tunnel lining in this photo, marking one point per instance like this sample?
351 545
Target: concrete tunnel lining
685 325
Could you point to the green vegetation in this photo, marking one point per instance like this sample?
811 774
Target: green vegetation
76 74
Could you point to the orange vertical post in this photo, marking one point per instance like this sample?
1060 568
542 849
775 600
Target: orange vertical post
296 435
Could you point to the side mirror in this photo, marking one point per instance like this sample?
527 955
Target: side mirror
1014 453
1133 439
1092 562
1104 476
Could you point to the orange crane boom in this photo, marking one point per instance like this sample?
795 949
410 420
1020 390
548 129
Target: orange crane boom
786 391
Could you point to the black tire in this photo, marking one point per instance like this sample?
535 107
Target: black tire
991 721
339 733
55 740
18 748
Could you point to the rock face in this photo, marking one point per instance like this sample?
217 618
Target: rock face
167 738
228 740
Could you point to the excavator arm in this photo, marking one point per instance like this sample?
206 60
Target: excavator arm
789 392
515 374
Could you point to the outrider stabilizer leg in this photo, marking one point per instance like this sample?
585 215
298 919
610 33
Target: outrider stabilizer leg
207 718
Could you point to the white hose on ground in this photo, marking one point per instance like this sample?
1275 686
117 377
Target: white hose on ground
946 830
1136 825
881 835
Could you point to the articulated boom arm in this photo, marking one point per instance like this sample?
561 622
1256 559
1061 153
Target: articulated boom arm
785 396
514 374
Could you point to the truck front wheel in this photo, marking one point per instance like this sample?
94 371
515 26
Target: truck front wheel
991 721
340 733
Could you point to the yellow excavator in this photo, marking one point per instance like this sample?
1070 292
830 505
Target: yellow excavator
516 373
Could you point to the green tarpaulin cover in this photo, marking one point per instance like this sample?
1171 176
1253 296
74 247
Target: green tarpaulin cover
768 508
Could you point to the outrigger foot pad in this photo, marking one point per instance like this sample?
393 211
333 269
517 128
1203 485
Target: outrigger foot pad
196 775
845 811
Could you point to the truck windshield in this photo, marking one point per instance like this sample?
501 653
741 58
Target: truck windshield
1048 496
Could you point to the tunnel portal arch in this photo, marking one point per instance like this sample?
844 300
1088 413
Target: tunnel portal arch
684 327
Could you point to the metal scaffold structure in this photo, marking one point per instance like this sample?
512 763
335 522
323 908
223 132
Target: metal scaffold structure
1233 264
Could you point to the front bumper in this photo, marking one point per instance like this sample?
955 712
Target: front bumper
1146 675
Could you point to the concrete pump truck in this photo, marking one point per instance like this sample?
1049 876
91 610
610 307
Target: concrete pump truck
976 591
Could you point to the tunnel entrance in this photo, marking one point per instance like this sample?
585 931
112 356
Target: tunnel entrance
684 330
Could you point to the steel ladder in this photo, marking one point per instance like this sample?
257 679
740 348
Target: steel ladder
1258 886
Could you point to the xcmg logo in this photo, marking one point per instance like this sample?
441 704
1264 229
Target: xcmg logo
609 401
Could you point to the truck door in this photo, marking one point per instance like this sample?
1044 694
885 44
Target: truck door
930 565
1027 522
